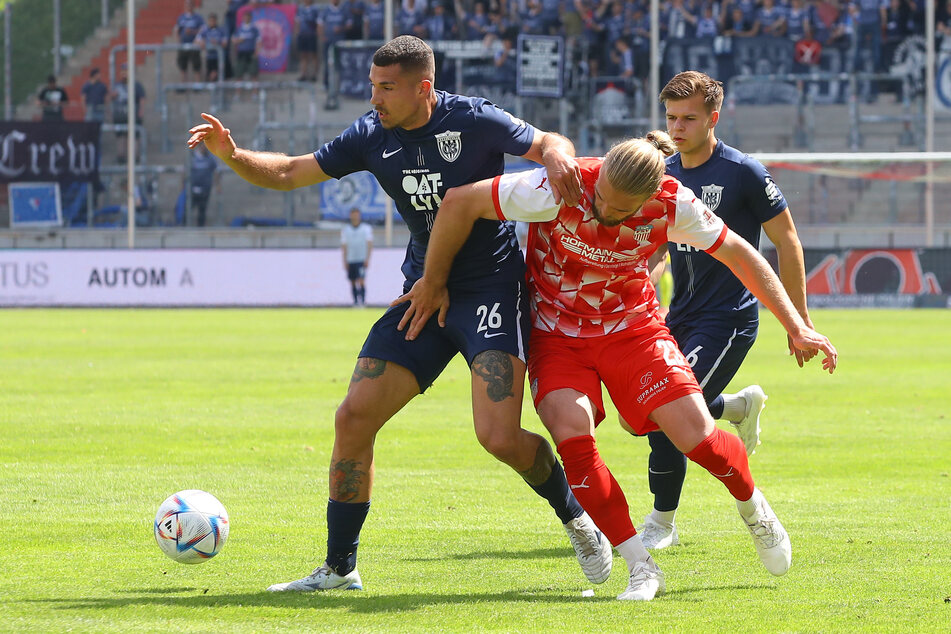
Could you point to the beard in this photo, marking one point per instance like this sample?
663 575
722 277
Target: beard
605 222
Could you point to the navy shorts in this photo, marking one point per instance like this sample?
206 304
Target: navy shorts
493 318
307 42
715 350
356 271
188 58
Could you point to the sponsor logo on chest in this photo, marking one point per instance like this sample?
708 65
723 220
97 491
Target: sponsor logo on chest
423 187
595 254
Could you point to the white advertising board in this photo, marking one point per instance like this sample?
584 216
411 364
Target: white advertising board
200 277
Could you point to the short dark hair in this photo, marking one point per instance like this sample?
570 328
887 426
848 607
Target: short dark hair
51 79
689 83
411 53
93 72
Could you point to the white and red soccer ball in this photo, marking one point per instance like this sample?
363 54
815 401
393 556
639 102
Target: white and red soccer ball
191 526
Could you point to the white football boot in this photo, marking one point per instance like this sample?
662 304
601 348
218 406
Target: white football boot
645 583
769 536
592 548
322 578
748 428
657 536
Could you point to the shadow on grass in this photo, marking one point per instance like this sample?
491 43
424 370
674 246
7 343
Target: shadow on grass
538 553
362 602
352 601
159 590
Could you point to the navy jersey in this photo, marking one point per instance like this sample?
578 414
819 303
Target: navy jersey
188 26
336 20
737 188
307 19
464 141
246 37
374 17
213 36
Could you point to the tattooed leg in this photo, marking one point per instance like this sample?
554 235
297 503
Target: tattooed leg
346 480
540 471
378 389
498 381
496 370
368 368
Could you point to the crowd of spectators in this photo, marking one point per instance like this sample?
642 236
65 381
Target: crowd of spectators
612 35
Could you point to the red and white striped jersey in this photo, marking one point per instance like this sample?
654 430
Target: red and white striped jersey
587 279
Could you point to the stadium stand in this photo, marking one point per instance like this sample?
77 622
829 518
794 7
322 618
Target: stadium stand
792 72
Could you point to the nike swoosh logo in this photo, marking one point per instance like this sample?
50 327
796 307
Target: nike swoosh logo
724 475
494 334
582 485
389 154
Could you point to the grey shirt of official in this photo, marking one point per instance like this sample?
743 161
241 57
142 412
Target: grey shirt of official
355 240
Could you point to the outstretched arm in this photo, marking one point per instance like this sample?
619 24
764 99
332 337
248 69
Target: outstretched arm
264 169
458 212
752 269
792 271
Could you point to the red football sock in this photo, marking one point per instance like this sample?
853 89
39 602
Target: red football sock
724 456
596 489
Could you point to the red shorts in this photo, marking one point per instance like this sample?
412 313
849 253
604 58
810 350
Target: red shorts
641 368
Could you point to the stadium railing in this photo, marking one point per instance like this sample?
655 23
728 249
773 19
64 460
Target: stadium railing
224 91
805 85
159 49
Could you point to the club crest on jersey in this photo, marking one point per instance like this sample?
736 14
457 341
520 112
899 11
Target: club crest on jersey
449 145
711 196
642 233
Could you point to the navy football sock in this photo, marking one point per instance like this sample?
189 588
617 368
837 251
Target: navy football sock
716 407
667 468
344 521
555 487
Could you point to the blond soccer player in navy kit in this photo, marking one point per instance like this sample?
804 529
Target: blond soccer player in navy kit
713 317
419 142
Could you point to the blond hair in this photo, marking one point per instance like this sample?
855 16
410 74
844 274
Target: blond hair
636 166
689 83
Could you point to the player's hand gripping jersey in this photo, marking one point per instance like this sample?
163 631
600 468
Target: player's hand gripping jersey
587 279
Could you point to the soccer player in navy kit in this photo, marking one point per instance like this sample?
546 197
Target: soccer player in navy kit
419 142
713 317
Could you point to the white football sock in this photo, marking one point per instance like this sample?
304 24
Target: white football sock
664 518
748 508
633 551
734 407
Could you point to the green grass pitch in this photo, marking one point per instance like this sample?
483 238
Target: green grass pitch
105 413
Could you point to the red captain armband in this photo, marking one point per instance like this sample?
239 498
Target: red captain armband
495 198
720 238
